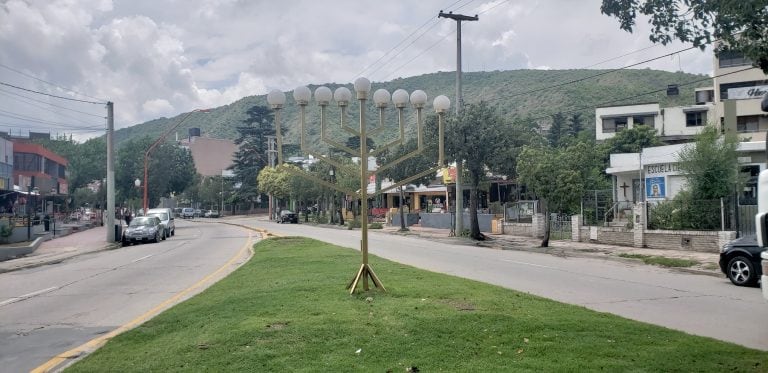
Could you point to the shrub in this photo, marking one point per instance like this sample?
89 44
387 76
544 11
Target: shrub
376 225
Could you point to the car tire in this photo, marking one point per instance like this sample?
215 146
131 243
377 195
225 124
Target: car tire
157 238
173 232
741 272
164 235
125 243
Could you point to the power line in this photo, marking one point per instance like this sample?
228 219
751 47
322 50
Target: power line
588 77
393 48
641 94
431 19
420 54
47 82
434 23
19 98
13 115
50 95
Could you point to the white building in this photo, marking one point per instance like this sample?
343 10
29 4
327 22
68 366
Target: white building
732 104
654 174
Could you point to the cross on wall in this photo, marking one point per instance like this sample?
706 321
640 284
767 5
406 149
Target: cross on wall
624 186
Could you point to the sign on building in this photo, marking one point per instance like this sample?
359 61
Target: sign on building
745 93
655 187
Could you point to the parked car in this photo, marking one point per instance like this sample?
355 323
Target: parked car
198 213
212 214
187 213
166 219
288 216
143 229
740 261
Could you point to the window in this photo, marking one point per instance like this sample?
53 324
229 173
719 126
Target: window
749 123
26 162
695 118
617 124
728 58
645 120
748 195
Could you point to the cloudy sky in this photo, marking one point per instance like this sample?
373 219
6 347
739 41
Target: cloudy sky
156 58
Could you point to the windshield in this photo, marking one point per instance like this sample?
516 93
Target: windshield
162 216
143 221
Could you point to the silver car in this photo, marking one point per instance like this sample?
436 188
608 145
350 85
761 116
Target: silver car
143 229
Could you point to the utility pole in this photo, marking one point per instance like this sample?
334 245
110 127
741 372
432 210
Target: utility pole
271 152
111 173
459 102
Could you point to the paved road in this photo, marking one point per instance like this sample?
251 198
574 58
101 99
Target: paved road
696 304
52 309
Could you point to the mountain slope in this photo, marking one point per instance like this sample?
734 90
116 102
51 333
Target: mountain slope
534 93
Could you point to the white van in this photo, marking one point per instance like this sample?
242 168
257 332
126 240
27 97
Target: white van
166 218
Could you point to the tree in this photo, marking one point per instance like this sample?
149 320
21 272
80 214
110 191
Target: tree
477 137
86 160
556 129
251 155
739 24
632 140
575 125
276 181
559 176
171 170
711 165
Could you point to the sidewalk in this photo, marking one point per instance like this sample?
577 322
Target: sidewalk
59 248
707 263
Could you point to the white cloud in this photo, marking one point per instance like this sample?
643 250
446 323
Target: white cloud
163 57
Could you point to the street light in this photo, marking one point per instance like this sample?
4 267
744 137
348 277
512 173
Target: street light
145 203
381 98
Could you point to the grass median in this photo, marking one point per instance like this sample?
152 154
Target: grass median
287 310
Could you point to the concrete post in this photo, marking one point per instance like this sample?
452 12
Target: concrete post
576 221
537 225
639 224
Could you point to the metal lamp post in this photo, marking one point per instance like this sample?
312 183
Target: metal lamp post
382 99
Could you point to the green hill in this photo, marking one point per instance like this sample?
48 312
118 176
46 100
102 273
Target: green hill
534 93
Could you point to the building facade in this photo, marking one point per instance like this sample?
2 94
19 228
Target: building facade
732 105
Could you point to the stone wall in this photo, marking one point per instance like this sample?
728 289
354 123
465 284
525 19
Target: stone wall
707 241
443 221
518 229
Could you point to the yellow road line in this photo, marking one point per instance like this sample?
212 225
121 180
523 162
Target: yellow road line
100 341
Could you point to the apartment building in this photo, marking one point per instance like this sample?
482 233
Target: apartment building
732 104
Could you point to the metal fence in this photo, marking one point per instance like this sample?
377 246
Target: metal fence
559 227
722 214
520 211
597 207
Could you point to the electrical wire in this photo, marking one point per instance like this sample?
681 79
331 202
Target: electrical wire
420 54
588 77
605 103
47 82
431 19
13 115
50 95
9 95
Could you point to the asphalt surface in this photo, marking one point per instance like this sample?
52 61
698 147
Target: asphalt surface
94 239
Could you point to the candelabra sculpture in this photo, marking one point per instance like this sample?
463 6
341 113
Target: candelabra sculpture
381 98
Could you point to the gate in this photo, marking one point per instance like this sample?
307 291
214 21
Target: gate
559 227
746 218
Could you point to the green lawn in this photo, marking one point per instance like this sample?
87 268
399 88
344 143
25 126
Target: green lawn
287 310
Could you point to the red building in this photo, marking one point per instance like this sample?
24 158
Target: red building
36 166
